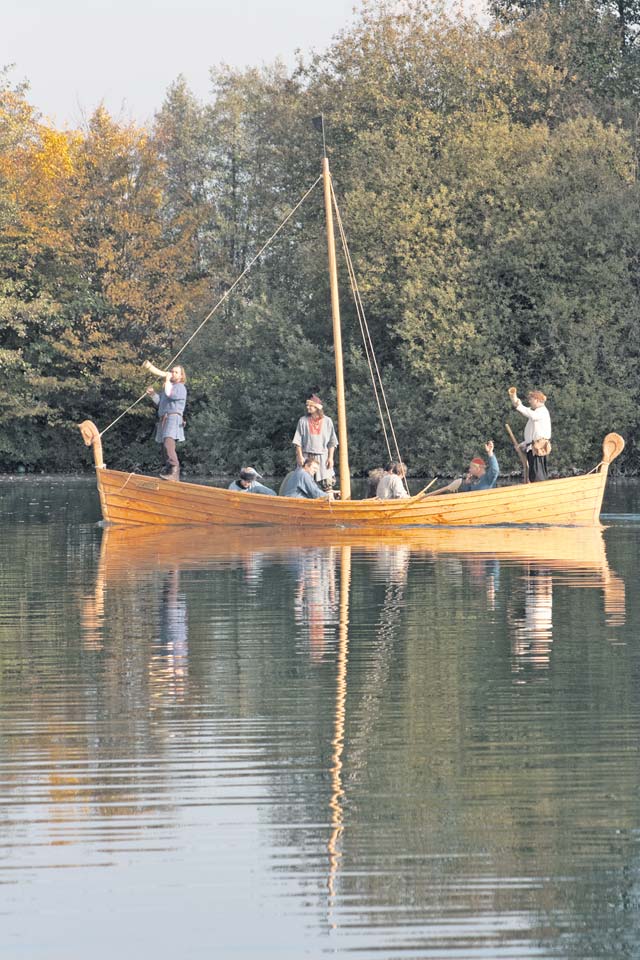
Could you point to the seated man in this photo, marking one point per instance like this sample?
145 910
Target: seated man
391 486
301 483
247 482
480 476
373 479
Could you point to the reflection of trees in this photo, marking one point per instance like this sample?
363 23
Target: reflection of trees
390 568
438 778
76 680
406 749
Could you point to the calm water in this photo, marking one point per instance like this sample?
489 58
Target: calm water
243 746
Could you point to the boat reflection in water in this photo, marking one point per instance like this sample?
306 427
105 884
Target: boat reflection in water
506 569
547 558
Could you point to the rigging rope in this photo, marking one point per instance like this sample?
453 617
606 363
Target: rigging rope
366 337
223 297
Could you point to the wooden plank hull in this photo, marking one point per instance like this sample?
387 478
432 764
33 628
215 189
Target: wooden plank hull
128 498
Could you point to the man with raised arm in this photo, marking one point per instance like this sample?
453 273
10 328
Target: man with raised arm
481 475
537 432
170 403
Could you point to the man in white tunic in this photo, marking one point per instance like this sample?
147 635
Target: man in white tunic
392 486
315 438
537 432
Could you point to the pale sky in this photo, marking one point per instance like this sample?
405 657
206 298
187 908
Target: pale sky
125 53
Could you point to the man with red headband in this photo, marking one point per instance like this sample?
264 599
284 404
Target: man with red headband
315 439
481 475
537 432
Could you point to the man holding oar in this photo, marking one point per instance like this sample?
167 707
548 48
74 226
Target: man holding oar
537 432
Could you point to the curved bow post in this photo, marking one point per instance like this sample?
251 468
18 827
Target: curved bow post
91 436
612 447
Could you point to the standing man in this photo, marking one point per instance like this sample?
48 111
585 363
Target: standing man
170 403
315 438
537 432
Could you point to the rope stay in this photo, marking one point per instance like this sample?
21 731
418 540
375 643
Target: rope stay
374 369
224 297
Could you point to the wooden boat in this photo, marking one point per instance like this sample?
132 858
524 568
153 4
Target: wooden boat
130 498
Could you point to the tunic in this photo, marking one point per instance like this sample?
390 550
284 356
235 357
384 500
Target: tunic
254 487
315 437
538 425
300 484
170 411
391 487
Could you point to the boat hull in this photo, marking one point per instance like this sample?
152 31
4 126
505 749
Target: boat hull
128 498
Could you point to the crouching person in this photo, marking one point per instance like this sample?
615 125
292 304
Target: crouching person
301 482
247 482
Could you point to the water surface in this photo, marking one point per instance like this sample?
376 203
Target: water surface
239 745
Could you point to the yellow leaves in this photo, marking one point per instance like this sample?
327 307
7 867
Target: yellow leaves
38 168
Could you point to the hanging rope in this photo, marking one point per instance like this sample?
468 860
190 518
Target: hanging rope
223 297
376 377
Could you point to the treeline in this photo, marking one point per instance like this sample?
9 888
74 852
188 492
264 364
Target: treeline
487 179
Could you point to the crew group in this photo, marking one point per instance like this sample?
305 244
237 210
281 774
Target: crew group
315 442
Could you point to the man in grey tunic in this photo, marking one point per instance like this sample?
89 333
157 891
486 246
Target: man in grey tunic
315 438
170 403
300 483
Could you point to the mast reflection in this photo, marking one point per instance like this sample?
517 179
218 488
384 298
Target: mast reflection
337 742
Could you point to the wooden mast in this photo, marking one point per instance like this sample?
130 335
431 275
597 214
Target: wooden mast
343 453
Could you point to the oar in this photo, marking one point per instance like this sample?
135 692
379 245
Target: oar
439 490
521 456
422 492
